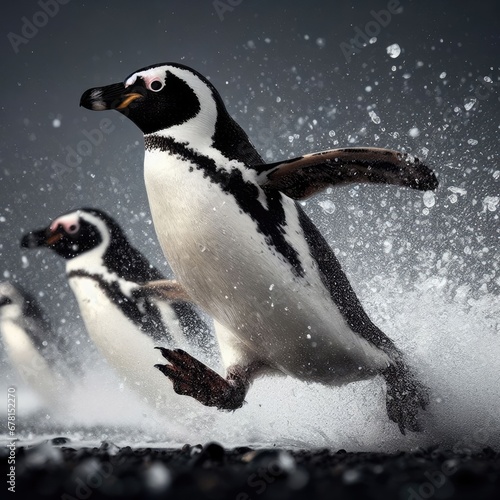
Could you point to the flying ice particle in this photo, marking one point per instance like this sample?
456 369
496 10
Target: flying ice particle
56 122
490 203
457 190
469 105
327 206
429 199
375 118
394 50
414 132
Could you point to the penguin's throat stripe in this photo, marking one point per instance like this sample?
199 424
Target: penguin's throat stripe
245 194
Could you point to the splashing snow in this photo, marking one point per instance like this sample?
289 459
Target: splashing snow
375 118
429 199
394 50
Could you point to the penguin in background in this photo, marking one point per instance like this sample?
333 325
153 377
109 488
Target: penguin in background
239 243
124 316
38 356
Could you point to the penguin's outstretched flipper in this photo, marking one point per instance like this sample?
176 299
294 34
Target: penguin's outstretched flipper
306 175
405 397
169 290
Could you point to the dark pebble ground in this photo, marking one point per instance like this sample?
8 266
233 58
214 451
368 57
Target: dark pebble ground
54 469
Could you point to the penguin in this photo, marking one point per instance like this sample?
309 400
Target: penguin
124 316
35 352
241 246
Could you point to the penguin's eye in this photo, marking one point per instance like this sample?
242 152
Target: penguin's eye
156 85
73 228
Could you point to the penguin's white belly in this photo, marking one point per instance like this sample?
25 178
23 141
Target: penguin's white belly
33 368
128 350
228 267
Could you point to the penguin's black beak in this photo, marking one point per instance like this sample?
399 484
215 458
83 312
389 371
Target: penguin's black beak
42 238
115 96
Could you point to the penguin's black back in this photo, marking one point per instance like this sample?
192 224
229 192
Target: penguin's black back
121 257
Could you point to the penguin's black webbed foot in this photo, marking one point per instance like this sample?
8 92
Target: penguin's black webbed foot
406 396
192 378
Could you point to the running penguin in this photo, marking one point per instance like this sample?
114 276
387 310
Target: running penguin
244 250
38 355
124 316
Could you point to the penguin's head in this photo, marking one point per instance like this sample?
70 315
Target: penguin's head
89 238
75 233
12 301
159 98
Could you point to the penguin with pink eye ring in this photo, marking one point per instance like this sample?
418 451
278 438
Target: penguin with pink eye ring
242 247
123 315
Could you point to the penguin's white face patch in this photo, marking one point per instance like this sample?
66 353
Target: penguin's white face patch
70 223
154 79
93 256
198 130
10 302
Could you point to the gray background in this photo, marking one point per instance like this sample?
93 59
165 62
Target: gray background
281 71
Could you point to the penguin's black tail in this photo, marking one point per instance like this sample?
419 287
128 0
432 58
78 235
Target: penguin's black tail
405 396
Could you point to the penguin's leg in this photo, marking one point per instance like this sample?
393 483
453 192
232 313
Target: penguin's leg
192 378
405 396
